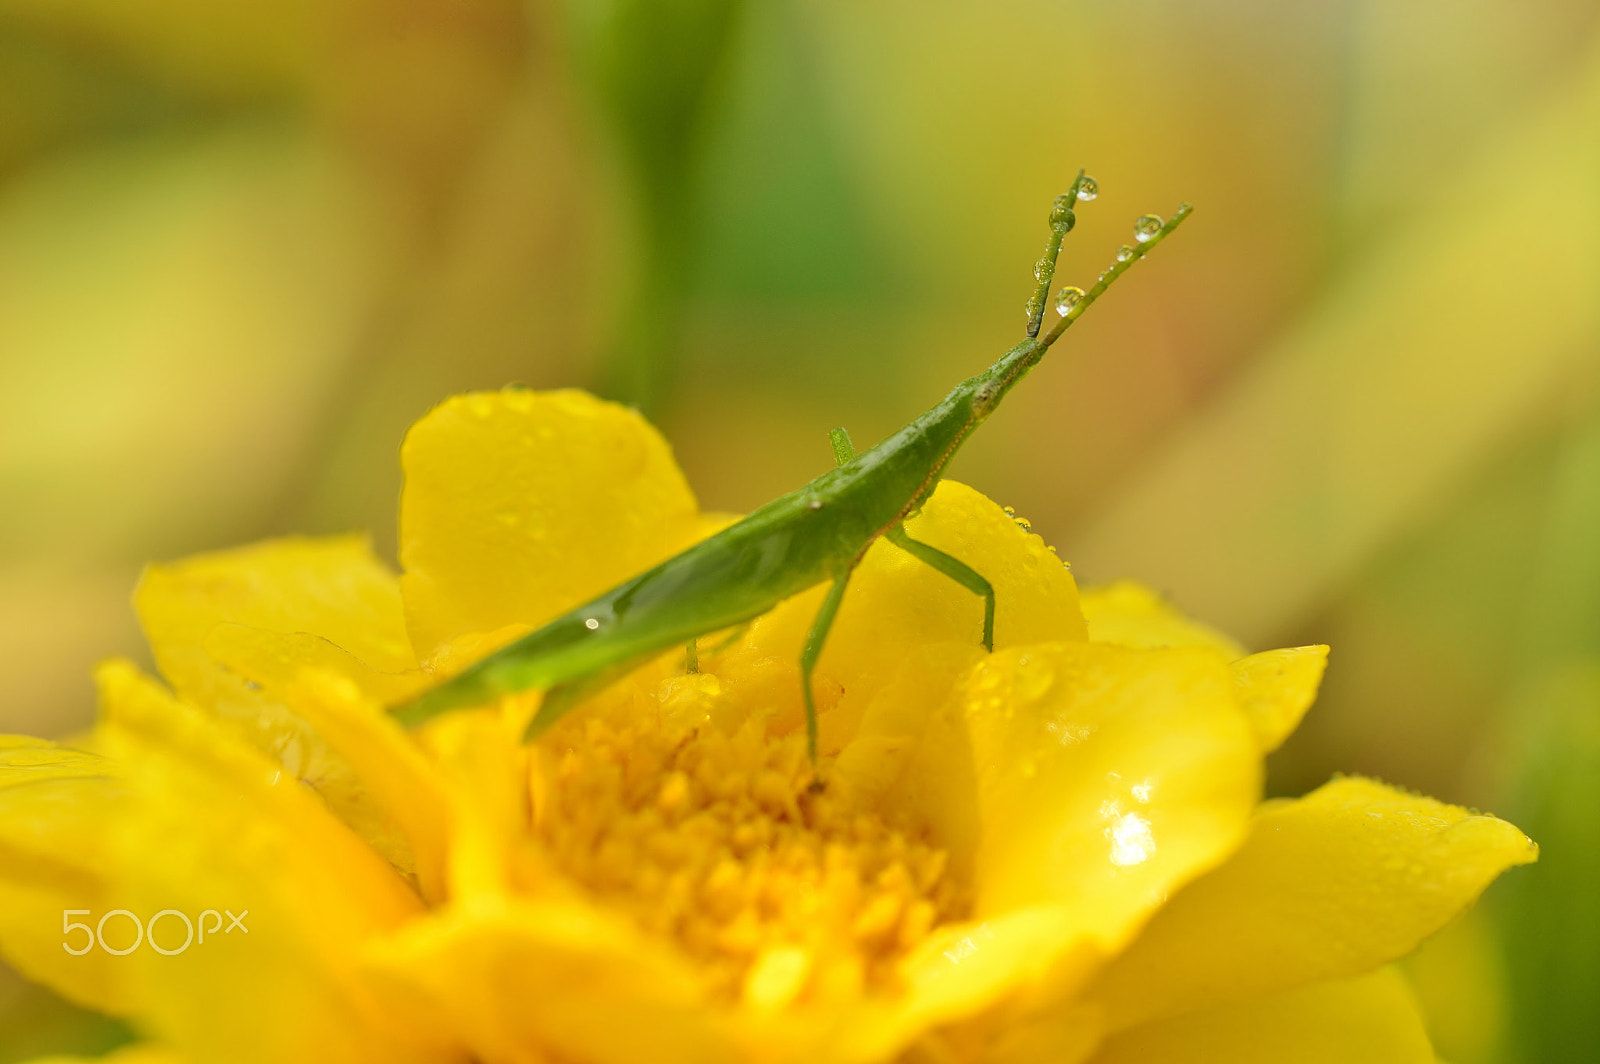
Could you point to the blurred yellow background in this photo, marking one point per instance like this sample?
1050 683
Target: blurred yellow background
242 246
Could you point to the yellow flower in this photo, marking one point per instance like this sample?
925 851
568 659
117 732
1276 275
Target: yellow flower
1052 853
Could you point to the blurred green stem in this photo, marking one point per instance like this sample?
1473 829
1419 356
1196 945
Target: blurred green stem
1549 915
647 347
654 68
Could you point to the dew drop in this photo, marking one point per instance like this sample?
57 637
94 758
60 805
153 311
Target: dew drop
1124 253
1088 188
1031 309
1068 298
592 623
1042 269
1061 216
1147 226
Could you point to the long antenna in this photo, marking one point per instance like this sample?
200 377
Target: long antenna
1148 231
1061 222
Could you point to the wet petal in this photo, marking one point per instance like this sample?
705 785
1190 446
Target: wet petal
1276 687
1337 883
1372 1019
1105 776
519 505
1129 614
1075 785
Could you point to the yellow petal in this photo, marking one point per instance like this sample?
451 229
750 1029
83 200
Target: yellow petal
896 604
275 664
227 628
485 771
403 785
272 661
1337 883
1371 1019
55 855
333 588
1105 777
1276 687
522 979
1033 955
1102 779
214 828
519 505
1131 615
1036 598
874 768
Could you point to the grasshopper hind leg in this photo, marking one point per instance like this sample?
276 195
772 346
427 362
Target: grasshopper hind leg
955 569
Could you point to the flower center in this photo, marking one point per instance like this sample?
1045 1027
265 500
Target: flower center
718 843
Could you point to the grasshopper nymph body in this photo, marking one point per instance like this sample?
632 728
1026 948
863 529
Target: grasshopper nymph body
813 535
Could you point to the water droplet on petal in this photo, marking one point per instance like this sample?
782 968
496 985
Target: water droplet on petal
1147 226
1088 188
1132 841
1068 298
1124 253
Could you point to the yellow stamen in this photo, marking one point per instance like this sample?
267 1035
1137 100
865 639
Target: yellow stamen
718 843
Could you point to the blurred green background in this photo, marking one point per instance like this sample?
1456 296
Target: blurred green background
242 246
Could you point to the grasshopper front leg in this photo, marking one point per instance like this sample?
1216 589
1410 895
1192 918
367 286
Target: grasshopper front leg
813 649
955 569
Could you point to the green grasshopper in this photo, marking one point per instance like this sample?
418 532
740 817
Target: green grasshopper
818 533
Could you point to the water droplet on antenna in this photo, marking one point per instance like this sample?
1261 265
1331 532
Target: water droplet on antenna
1124 253
1068 298
1147 226
1088 188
